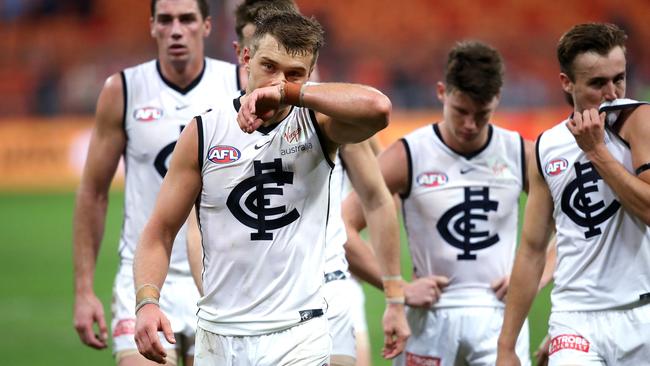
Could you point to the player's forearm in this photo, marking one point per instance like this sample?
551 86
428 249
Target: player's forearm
362 261
359 106
384 236
152 255
195 250
526 273
89 218
633 192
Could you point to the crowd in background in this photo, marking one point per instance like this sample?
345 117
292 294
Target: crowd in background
57 54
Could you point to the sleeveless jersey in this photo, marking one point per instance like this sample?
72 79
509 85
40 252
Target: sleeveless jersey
461 212
336 236
603 251
263 212
155 113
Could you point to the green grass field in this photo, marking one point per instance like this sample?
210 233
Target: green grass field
37 286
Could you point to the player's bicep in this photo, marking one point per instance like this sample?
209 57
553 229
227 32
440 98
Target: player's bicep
538 217
182 182
340 132
108 138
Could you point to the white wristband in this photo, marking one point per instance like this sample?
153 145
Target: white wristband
145 301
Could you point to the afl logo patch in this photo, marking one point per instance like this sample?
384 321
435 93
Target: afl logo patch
148 114
556 166
432 179
223 154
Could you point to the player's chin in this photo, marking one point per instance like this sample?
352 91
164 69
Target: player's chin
178 55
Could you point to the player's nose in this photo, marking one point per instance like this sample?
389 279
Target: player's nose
470 123
610 92
177 31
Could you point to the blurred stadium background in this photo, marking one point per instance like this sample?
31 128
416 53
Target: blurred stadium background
57 53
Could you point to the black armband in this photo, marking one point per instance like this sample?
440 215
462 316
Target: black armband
642 168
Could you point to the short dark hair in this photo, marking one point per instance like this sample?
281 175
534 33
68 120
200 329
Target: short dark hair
249 11
588 37
298 34
204 8
475 69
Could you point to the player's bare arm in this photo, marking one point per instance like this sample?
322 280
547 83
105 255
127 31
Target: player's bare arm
529 265
377 204
362 261
632 190
361 258
347 113
379 210
106 146
195 250
177 194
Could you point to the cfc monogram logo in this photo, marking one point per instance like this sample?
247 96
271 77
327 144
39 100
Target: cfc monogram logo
253 192
579 207
457 225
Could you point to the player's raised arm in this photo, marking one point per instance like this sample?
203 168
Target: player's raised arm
177 194
632 189
106 146
528 266
348 113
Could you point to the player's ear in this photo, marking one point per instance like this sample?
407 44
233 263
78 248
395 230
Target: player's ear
246 58
151 27
567 84
441 89
207 26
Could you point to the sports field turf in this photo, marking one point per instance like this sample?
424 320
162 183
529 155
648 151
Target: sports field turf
37 283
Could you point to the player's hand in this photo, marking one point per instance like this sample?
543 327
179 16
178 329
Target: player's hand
88 310
541 355
500 287
259 106
588 128
507 358
423 292
396 330
150 320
